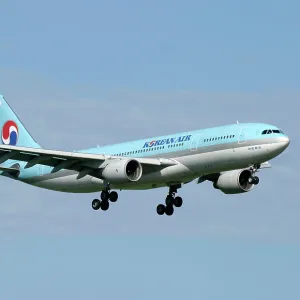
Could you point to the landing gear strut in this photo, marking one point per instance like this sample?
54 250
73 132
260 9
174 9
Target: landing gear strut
171 201
105 197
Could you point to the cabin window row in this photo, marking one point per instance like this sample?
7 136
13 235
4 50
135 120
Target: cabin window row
176 145
219 138
139 151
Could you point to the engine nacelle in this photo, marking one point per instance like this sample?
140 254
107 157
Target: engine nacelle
234 182
123 171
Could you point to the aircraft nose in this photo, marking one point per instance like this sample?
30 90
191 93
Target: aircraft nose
284 141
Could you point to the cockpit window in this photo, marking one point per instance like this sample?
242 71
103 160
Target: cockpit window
269 131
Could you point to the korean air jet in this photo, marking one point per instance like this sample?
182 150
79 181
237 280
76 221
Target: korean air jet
228 156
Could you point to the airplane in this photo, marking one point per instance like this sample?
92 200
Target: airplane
228 156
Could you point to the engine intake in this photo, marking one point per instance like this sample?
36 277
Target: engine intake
234 182
123 171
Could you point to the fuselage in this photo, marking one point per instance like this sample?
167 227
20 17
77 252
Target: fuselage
198 153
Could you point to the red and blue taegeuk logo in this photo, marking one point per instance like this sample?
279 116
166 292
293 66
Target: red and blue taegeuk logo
10 133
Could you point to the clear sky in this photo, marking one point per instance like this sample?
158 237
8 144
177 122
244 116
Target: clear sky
97 72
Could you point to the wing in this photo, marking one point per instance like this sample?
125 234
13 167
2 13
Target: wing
84 163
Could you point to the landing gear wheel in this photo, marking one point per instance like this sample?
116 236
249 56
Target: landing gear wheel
160 209
104 196
169 200
96 204
169 210
113 196
104 205
178 201
255 180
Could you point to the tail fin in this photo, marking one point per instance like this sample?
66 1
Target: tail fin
13 132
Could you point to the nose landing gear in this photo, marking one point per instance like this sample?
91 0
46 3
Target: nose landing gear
253 179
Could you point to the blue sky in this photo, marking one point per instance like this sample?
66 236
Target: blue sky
97 72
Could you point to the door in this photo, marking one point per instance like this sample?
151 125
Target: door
195 142
243 135
243 151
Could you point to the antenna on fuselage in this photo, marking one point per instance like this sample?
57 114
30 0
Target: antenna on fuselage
237 122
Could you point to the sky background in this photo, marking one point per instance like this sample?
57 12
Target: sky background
97 72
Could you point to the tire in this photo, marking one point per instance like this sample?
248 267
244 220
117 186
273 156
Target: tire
113 196
160 209
104 196
96 204
169 200
178 201
105 205
256 180
169 210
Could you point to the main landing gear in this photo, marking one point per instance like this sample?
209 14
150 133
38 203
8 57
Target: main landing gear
106 197
171 201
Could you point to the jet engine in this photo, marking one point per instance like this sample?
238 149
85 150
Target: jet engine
122 171
234 182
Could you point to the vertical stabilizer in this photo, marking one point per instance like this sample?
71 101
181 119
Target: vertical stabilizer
13 132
